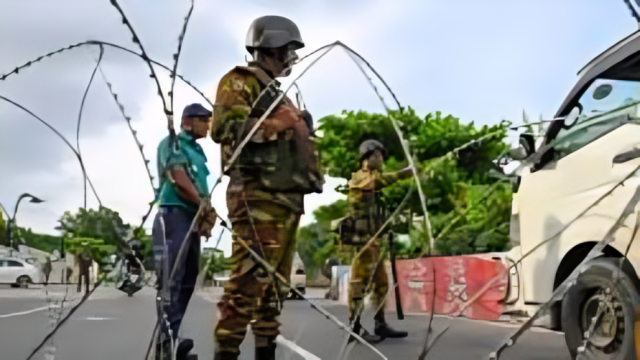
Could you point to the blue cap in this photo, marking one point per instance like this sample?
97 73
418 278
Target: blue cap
195 110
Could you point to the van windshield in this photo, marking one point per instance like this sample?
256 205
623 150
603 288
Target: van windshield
603 108
606 95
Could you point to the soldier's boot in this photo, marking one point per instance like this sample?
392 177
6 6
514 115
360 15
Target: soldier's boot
184 346
383 330
366 336
265 348
225 355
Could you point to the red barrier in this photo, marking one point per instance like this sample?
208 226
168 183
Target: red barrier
461 283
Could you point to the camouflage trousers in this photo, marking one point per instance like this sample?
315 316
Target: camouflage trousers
362 268
252 296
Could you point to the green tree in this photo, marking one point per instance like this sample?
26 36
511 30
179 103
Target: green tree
3 230
469 212
104 224
99 252
316 241
43 242
217 263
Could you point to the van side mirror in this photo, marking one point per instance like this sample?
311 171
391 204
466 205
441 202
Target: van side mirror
526 147
518 153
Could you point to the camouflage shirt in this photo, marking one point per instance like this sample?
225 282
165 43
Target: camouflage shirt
237 91
364 191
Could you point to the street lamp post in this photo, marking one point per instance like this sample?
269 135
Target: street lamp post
12 219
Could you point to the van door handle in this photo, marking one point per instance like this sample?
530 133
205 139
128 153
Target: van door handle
626 156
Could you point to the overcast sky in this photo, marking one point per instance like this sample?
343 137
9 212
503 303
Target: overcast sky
482 61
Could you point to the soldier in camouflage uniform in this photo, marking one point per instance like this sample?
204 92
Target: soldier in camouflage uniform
367 216
276 168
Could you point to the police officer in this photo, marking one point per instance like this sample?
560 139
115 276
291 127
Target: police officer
276 168
363 206
183 188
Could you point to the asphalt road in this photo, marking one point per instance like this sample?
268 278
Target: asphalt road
111 325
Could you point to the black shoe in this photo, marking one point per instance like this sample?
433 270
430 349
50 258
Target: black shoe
385 331
225 355
184 346
266 352
371 338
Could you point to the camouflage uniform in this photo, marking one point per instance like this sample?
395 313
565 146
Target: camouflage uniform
363 207
267 220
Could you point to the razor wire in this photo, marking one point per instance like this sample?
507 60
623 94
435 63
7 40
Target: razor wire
595 319
103 43
403 143
85 176
410 159
61 322
559 292
184 245
345 350
182 252
173 74
51 312
84 97
135 138
273 272
77 154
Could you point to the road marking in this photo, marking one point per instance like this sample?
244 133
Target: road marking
295 348
25 312
98 318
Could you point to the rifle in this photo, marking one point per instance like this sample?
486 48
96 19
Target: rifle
392 258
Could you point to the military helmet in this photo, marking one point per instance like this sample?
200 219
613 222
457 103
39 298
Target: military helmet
368 146
273 32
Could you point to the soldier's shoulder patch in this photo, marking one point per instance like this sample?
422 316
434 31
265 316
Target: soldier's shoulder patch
237 84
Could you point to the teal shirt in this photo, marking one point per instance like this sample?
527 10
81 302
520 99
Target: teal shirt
190 155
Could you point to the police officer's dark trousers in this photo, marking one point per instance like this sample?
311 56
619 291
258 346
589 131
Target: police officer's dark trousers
177 221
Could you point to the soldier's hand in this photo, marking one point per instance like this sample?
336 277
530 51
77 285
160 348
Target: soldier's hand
283 118
207 219
406 172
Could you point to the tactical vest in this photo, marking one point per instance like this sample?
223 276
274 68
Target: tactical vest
357 229
289 163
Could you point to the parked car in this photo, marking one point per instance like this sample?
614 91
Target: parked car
298 277
18 272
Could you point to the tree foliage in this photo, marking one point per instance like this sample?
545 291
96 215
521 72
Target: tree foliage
316 241
96 248
104 224
217 264
3 231
457 163
43 242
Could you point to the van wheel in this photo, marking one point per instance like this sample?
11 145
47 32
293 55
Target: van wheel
23 281
603 285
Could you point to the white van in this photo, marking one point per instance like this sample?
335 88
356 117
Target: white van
592 145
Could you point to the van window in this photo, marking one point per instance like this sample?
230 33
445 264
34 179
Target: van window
603 108
12 263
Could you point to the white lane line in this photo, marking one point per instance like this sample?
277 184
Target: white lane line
280 340
25 312
98 318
